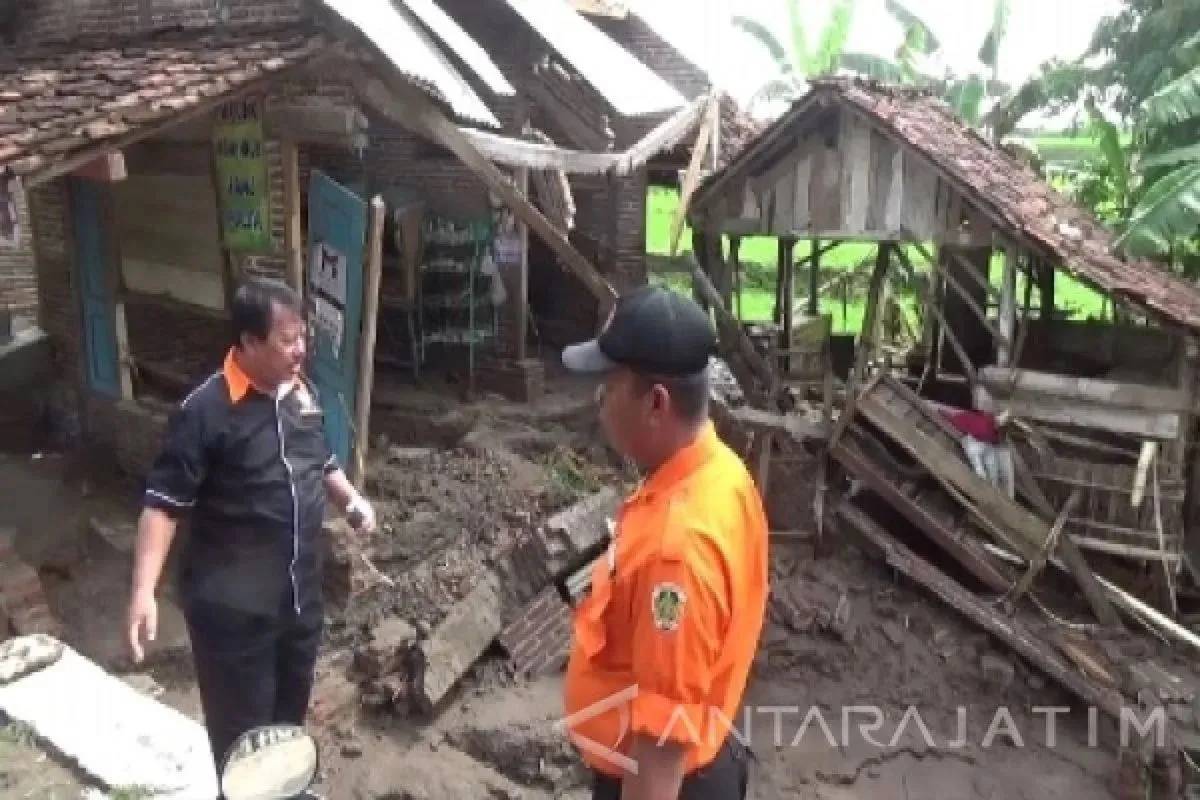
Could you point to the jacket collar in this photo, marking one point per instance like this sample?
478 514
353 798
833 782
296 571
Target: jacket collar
239 382
682 464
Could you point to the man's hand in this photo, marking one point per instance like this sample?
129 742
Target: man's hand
361 514
660 770
143 620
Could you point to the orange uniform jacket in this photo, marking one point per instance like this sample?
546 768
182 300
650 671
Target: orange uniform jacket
665 640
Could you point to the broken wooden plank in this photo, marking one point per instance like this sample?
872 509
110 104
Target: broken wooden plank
1023 641
1038 563
866 339
691 178
1071 555
953 472
413 110
865 470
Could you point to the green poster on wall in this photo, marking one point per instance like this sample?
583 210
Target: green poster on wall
243 191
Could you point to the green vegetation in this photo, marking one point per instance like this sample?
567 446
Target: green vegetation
844 302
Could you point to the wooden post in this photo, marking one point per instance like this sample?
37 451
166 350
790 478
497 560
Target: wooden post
293 236
1008 307
814 275
735 265
228 273
522 322
116 282
1046 289
787 271
866 337
366 352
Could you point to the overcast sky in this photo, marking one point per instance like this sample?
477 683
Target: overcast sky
1038 31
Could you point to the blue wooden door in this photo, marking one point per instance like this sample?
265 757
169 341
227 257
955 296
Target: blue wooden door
337 230
97 303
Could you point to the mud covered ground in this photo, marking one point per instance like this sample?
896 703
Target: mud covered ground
454 488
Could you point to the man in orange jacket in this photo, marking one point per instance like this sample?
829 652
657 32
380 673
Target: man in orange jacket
665 639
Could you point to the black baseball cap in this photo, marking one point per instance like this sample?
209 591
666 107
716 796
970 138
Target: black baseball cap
652 330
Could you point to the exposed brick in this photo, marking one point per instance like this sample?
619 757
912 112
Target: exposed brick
539 640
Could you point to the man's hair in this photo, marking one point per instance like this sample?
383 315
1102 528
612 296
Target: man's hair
689 393
254 304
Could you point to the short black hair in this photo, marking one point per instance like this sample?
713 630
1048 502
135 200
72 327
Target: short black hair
689 393
254 304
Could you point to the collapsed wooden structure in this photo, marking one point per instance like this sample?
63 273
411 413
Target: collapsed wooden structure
1098 416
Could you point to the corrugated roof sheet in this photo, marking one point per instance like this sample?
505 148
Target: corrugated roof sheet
632 88
58 104
454 37
1026 208
401 39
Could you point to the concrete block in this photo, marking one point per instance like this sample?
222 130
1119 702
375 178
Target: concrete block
579 533
112 732
459 641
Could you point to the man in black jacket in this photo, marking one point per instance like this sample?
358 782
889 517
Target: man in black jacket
247 458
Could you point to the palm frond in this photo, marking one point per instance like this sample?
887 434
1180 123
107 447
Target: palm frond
763 35
1172 157
989 52
1178 101
801 60
834 36
1110 147
912 23
1169 208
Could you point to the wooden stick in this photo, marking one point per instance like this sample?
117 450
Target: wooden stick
292 236
691 178
866 338
411 109
522 322
970 303
730 329
1037 564
814 272
366 353
1008 308
959 350
967 266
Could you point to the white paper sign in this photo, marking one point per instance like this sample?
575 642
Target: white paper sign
328 272
330 320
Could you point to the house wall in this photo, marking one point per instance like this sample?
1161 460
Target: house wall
18 288
61 20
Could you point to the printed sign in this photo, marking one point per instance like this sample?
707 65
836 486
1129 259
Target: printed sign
243 191
328 272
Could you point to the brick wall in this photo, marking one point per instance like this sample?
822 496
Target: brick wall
57 20
18 292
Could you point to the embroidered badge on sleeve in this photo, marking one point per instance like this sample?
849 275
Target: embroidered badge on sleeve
666 604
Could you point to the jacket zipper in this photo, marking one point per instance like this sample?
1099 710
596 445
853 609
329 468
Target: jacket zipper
295 507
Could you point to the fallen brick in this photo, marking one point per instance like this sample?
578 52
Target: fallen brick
579 533
539 640
463 636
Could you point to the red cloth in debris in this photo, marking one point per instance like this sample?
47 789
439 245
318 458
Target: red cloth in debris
978 424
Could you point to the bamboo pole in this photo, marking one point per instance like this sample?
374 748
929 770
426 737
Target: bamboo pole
366 352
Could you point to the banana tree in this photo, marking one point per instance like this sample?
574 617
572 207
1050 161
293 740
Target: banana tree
1168 208
797 61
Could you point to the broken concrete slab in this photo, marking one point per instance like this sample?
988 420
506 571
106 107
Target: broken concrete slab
577 534
115 734
26 654
458 642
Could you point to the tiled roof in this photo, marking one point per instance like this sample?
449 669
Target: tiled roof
58 104
1030 210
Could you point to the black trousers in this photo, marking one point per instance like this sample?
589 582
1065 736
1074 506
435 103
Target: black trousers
252 669
726 778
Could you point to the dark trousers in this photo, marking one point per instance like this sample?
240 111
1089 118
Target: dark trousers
252 669
725 778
